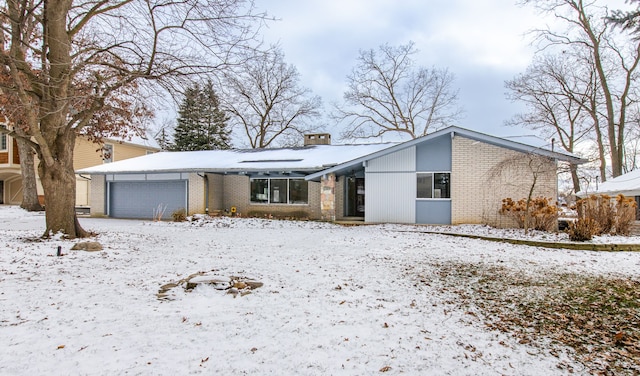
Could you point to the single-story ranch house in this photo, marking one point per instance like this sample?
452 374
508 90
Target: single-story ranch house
451 176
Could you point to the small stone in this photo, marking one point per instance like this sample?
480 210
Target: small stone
210 279
169 286
240 285
218 282
87 246
254 284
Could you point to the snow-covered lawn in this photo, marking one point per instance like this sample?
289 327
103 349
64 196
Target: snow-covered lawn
336 300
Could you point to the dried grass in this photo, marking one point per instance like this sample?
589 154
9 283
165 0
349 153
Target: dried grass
597 317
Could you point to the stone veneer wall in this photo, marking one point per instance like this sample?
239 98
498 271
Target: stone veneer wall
328 197
236 192
339 194
479 186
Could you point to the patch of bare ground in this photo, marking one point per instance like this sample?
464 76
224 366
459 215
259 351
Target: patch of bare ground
597 317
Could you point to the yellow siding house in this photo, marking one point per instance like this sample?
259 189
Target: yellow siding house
86 154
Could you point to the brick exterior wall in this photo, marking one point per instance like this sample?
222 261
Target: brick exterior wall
216 192
196 194
236 192
482 175
97 192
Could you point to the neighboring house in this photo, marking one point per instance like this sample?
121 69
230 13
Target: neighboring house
86 153
10 180
627 184
451 176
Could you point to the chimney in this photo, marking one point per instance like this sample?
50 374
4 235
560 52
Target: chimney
317 139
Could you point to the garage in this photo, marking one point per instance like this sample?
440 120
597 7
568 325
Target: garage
141 199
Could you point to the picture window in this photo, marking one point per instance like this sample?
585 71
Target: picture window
433 185
279 191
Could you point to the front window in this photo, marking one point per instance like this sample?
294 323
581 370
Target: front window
279 191
260 190
434 185
3 139
298 191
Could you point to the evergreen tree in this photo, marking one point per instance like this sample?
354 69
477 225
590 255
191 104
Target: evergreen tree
202 125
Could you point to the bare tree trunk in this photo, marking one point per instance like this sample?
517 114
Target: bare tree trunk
527 213
30 200
574 177
59 183
601 152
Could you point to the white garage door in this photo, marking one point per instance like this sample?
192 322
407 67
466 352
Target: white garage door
141 199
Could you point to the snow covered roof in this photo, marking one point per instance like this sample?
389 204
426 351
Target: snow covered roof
453 130
627 184
306 159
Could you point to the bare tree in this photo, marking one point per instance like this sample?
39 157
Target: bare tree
615 64
387 93
528 173
557 93
10 108
267 103
69 59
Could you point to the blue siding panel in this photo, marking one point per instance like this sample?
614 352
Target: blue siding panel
434 155
433 212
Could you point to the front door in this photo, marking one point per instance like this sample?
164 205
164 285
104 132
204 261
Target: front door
355 197
1 191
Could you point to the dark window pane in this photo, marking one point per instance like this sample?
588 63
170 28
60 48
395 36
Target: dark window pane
425 184
278 191
298 191
260 190
3 139
441 185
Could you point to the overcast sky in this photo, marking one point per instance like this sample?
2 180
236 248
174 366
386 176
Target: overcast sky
482 42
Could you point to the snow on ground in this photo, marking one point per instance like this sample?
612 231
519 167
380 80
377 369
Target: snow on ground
335 301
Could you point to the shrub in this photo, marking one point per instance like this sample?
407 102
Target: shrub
625 214
179 215
611 216
540 214
600 209
583 229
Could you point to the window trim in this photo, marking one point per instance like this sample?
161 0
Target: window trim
288 193
433 186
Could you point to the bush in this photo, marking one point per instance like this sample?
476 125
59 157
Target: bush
625 214
179 215
583 229
612 216
540 214
600 209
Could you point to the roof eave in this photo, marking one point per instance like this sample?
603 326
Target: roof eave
453 130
